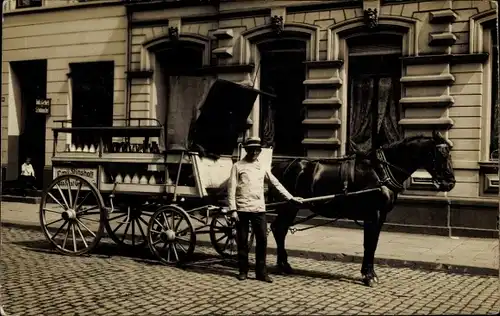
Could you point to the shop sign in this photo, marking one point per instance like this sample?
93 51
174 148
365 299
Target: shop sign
42 106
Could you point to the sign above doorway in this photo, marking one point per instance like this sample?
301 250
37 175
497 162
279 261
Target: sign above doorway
42 106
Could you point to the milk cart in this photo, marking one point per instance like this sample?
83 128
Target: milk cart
117 180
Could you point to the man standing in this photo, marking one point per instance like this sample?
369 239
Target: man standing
246 201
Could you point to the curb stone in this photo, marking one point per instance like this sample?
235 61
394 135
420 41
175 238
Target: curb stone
341 257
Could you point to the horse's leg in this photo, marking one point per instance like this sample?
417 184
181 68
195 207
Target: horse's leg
372 228
279 227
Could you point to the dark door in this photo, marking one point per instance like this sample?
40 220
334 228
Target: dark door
92 87
32 78
283 73
374 93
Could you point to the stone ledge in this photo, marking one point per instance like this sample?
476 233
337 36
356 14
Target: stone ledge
324 64
427 102
223 52
322 103
321 122
333 142
446 58
331 82
444 79
427 123
223 33
442 16
442 39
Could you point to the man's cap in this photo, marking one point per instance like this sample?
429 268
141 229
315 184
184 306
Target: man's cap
254 142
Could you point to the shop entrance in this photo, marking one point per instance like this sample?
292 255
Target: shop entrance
32 79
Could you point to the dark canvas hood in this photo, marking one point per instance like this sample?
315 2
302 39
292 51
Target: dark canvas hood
223 117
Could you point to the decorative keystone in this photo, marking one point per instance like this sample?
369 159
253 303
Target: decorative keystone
371 18
277 24
173 33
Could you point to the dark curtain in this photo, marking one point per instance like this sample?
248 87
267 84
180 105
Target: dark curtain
267 121
362 135
360 123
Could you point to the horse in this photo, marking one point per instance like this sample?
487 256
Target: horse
384 170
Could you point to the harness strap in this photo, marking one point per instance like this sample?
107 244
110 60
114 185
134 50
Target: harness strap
388 177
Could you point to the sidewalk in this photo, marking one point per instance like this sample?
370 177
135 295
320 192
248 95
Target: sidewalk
463 255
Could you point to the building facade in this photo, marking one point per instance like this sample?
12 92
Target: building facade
348 74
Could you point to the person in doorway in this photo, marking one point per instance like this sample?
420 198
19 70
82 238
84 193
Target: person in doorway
247 204
27 177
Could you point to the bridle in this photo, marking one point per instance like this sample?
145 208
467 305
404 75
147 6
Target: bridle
391 181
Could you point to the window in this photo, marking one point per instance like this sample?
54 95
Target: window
28 3
92 85
494 96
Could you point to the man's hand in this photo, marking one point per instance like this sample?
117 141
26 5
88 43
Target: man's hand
296 200
234 216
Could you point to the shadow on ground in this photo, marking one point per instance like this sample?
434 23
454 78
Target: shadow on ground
201 262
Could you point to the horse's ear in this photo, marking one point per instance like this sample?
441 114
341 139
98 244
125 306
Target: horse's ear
436 134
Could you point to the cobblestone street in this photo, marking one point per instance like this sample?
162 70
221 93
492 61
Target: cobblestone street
37 281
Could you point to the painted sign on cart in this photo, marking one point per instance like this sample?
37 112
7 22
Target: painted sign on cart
89 174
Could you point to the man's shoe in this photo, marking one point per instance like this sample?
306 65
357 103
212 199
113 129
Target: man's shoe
242 276
264 278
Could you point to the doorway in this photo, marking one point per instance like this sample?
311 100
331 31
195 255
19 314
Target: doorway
374 92
32 79
92 89
282 73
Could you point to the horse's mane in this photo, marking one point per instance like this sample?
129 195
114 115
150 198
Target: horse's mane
363 154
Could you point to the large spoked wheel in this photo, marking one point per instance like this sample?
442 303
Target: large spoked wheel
128 226
223 235
171 235
72 215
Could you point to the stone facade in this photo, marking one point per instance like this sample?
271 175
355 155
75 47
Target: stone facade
445 76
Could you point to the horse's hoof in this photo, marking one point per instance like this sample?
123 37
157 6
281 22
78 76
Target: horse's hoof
285 268
370 280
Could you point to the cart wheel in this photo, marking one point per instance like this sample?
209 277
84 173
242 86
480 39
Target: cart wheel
171 235
75 212
223 235
129 229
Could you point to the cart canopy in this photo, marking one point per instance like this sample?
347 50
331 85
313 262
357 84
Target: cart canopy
223 117
207 115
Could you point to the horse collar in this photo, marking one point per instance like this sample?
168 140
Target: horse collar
388 178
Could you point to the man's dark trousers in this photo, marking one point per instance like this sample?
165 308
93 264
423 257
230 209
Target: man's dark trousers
259 227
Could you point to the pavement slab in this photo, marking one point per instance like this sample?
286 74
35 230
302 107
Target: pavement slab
471 255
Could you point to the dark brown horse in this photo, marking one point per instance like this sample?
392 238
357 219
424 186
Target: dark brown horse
386 168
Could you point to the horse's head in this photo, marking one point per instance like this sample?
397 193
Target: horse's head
431 153
438 162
